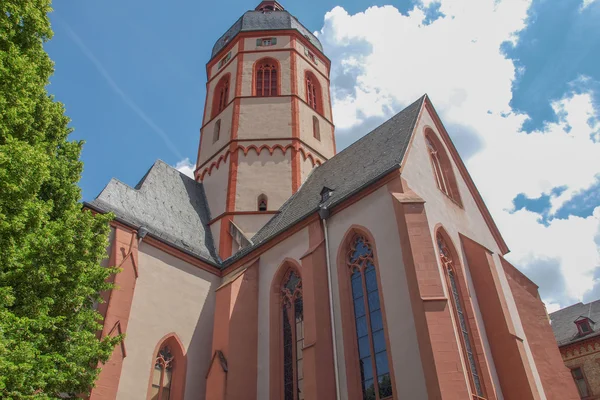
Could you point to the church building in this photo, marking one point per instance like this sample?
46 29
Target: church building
286 270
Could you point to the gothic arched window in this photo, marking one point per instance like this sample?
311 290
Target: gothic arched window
162 375
316 128
266 78
460 319
293 336
371 337
221 96
262 203
313 92
442 167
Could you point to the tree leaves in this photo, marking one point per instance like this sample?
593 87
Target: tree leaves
50 251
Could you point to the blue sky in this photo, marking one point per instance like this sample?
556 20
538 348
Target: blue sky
517 84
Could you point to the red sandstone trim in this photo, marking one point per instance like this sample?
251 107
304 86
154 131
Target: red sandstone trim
233 213
296 167
179 366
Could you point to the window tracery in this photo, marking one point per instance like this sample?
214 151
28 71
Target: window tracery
372 347
221 96
442 167
266 78
313 92
162 375
293 336
447 261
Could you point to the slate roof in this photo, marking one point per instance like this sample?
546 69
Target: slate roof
169 204
563 322
264 21
348 172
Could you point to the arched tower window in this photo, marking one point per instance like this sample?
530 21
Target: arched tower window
221 96
313 92
442 167
293 336
446 255
266 78
217 131
262 203
162 377
371 337
316 129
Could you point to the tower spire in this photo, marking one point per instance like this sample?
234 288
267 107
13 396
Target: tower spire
269 5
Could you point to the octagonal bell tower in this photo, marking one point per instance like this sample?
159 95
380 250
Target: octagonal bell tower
267 121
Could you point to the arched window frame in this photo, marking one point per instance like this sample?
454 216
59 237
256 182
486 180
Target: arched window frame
262 199
316 128
177 363
268 68
351 349
442 167
217 131
313 92
221 95
463 313
284 303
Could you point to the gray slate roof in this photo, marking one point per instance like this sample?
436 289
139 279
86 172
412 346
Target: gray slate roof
264 21
169 204
356 167
563 322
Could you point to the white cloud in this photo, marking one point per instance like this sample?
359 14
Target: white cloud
186 167
586 3
382 59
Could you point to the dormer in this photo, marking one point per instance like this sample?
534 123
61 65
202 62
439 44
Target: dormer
325 194
584 326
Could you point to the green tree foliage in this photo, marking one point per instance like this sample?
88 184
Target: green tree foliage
50 251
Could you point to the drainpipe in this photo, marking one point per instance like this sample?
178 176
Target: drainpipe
324 214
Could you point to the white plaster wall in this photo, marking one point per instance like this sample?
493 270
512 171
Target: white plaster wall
440 209
306 168
208 148
265 117
263 173
215 69
215 187
376 213
170 296
215 229
323 146
302 66
250 224
284 69
293 247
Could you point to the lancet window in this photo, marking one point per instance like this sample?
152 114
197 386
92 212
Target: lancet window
460 319
313 92
442 168
162 374
372 348
293 337
221 96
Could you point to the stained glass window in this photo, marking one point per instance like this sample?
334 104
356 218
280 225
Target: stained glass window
372 349
457 302
293 337
162 375
266 78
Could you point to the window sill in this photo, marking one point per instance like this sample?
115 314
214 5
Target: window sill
456 203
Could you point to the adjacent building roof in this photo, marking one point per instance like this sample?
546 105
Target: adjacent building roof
264 21
169 204
563 322
348 172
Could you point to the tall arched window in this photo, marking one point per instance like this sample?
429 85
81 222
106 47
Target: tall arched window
161 379
313 92
316 128
217 131
293 336
221 96
266 78
458 306
371 339
442 167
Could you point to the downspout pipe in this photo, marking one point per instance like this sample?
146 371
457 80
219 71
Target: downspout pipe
324 214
